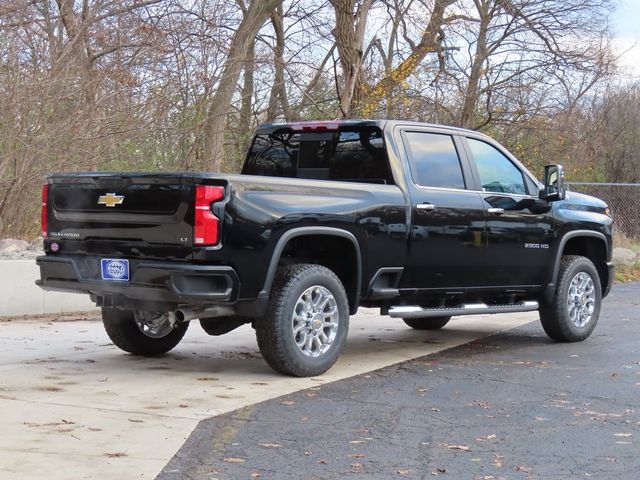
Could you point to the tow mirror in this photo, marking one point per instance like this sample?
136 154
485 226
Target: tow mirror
554 187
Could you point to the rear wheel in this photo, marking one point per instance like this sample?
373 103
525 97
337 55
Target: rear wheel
306 324
143 332
572 313
429 323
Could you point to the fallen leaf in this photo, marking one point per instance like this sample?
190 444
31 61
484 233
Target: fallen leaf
288 402
356 442
255 475
270 445
135 420
183 405
522 468
404 471
233 460
307 453
356 455
50 389
485 438
434 409
322 461
357 465
115 454
498 460
464 448
421 390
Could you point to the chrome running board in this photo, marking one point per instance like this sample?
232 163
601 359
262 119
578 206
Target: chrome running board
406 311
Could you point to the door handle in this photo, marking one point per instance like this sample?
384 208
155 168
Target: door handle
496 211
426 206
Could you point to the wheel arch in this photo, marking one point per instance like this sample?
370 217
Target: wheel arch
298 243
587 243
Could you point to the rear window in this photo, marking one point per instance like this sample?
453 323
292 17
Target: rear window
355 155
434 160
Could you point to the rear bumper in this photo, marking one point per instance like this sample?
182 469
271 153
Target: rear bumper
162 282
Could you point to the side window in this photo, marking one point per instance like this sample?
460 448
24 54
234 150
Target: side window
497 172
434 160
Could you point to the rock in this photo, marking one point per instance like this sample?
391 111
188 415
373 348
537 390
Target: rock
36 245
624 256
12 245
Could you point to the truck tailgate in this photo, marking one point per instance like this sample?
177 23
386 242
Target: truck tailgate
136 209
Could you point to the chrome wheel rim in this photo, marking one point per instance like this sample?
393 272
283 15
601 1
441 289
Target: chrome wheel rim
581 299
314 323
155 324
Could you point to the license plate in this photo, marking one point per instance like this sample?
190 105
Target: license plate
115 269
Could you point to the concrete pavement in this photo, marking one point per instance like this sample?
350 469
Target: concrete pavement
73 406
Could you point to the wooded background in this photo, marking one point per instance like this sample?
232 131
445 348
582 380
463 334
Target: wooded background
94 85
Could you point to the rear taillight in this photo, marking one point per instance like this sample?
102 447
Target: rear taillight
206 228
43 215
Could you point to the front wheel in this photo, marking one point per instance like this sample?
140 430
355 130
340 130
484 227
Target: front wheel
573 312
141 332
306 324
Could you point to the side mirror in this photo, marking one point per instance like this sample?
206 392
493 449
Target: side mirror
554 187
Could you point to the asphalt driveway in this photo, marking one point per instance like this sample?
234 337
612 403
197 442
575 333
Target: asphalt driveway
510 406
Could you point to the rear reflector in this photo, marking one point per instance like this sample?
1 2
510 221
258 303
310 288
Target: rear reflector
43 215
206 228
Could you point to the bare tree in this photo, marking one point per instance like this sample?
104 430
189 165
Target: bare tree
254 17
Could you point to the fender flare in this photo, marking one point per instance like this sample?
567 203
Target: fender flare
550 289
305 231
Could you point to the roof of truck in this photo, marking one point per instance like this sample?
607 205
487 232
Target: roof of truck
330 125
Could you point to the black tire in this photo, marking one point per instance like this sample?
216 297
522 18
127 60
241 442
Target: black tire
125 334
433 323
274 331
554 314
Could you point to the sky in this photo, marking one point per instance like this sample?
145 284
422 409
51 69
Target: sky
626 23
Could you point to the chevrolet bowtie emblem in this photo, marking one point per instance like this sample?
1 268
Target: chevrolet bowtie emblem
110 200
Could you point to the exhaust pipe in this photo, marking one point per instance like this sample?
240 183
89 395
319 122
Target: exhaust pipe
186 314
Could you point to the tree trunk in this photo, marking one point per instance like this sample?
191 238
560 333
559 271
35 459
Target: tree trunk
278 90
247 89
472 92
257 13
349 34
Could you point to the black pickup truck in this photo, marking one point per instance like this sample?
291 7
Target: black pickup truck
422 221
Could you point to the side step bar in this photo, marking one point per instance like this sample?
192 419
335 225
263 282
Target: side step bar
407 311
